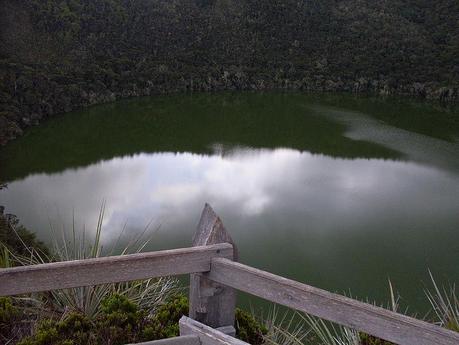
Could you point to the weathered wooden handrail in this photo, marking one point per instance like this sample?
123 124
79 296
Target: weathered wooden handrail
112 269
364 317
214 277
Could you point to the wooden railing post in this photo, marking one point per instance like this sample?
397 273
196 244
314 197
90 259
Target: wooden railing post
211 303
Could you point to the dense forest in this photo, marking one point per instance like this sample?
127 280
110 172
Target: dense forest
60 55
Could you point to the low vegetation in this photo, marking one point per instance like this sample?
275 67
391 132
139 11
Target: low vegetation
445 305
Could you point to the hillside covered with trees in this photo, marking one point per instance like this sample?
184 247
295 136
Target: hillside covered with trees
60 55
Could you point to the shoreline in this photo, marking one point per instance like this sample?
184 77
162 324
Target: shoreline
15 117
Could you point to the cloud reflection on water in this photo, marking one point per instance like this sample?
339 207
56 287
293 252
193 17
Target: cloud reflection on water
335 223
287 186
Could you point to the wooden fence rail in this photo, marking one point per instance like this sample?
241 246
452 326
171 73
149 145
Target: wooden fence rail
214 277
69 274
380 322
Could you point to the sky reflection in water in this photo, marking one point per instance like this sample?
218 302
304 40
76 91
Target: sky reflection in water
292 212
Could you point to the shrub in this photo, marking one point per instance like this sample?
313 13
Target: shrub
120 322
8 312
248 329
76 326
75 329
10 315
46 334
165 322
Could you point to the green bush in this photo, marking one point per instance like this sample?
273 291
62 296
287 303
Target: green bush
10 316
76 326
248 329
8 312
165 322
121 322
75 329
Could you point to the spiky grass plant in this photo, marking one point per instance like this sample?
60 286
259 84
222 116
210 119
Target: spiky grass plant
5 257
445 304
327 333
147 294
283 328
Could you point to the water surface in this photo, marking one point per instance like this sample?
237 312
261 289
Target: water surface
340 192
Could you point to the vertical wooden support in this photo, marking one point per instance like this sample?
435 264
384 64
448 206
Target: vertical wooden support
211 303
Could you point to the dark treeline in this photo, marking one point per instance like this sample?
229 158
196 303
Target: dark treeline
59 55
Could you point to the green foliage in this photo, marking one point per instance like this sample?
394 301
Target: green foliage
248 329
164 323
8 312
118 305
76 326
121 321
5 257
10 316
75 329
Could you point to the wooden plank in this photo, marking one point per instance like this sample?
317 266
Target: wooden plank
211 303
207 335
182 340
368 318
68 274
228 330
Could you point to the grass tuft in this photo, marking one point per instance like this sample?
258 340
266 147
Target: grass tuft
147 294
283 328
445 304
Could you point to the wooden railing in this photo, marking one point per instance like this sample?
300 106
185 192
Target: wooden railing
215 275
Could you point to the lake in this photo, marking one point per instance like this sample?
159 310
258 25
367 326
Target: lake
336 191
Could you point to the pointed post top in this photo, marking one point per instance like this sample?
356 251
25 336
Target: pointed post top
210 229
211 303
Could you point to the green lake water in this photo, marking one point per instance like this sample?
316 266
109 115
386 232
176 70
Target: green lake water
339 192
